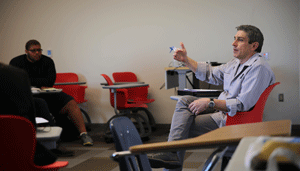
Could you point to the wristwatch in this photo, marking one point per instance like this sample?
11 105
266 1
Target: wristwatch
211 103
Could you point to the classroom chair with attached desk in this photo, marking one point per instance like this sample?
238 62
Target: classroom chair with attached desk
253 116
76 91
125 135
18 141
130 108
137 93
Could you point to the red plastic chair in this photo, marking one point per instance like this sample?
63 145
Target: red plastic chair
18 141
255 115
137 93
130 108
76 91
123 100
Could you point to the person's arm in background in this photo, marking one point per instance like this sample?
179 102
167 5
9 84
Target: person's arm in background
16 97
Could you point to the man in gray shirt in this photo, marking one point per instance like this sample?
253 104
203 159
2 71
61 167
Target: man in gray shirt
244 78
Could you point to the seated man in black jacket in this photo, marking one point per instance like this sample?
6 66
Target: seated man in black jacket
16 99
42 73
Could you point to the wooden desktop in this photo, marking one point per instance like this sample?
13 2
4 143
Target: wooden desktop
224 136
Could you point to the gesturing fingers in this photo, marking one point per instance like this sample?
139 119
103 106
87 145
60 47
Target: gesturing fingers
182 46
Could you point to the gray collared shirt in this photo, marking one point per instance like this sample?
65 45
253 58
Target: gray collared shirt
242 83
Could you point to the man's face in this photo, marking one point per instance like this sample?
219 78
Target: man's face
34 53
241 48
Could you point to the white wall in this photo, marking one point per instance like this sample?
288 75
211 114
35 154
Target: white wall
91 37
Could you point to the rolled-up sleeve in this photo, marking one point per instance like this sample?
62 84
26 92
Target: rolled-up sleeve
233 105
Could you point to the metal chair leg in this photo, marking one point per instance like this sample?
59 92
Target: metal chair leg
214 158
86 115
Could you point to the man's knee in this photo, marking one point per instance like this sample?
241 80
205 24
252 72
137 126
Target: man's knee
186 100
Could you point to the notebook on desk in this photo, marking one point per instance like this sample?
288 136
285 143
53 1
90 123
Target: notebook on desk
200 92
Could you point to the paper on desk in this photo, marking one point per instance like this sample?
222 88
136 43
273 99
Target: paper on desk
50 89
35 90
40 120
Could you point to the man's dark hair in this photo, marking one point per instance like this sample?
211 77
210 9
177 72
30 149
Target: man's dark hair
30 43
254 35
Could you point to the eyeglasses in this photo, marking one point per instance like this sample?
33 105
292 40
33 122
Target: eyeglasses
36 50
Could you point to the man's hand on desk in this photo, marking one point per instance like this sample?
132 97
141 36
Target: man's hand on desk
199 105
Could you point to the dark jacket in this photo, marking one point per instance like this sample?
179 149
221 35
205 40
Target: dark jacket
41 73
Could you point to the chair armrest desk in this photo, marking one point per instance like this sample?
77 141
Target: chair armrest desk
70 83
48 136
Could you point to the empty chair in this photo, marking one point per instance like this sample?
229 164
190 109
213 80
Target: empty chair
125 135
130 108
141 93
18 141
137 93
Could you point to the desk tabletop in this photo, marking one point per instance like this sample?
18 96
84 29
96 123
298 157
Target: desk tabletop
177 68
224 136
124 86
44 133
69 83
178 97
120 83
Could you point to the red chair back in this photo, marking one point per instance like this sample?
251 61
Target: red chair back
66 77
124 77
108 80
138 93
76 91
18 141
256 114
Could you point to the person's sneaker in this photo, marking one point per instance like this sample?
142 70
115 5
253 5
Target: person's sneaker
167 160
86 140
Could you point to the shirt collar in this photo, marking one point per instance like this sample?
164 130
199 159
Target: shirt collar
250 61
